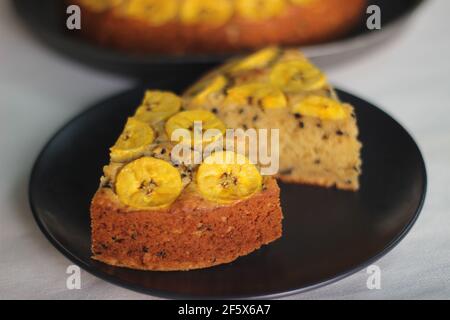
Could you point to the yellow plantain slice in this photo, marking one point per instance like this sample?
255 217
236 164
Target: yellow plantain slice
148 183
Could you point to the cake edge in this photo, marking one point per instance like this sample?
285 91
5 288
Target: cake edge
104 204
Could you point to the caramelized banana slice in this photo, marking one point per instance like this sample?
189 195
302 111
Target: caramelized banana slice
257 60
225 177
208 89
260 10
212 12
323 108
156 12
188 119
265 95
158 106
148 183
134 140
297 75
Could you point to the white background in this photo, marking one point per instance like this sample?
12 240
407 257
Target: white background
408 76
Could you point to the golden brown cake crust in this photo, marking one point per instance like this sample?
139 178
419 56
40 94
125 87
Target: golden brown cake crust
191 234
299 25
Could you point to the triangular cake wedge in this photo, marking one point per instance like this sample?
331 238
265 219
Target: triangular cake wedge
155 212
281 89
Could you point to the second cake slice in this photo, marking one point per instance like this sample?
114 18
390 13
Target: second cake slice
281 89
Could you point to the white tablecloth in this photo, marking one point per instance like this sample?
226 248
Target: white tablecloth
408 76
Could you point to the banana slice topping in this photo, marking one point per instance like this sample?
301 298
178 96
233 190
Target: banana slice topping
189 120
133 142
212 12
322 107
158 106
260 10
264 95
209 89
155 12
148 183
225 177
257 60
297 75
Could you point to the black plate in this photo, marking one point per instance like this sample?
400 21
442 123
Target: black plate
328 234
46 19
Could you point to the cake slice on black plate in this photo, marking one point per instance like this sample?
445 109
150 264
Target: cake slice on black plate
155 211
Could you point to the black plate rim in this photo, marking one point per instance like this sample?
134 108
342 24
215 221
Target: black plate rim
314 51
163 294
